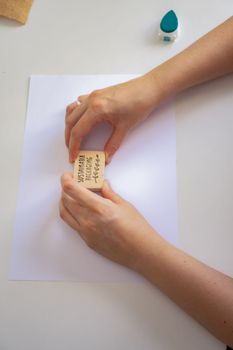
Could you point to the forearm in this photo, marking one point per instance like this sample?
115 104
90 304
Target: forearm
208 58
204 293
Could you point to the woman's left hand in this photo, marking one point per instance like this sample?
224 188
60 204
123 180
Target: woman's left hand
108 224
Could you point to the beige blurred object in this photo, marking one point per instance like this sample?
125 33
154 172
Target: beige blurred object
16 9
89 169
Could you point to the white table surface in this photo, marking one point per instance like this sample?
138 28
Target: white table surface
105 36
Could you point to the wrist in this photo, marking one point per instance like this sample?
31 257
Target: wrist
148 255
168 79
161 84
151 92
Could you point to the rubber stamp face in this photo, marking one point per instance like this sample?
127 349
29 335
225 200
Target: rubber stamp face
89 169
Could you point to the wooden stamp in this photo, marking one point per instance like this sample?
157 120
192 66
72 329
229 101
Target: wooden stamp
89 169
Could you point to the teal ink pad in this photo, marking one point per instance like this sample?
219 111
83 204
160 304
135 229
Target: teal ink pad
168 26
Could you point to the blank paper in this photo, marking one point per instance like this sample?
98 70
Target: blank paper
143 171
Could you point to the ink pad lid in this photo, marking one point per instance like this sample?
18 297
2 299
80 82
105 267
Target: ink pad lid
169 22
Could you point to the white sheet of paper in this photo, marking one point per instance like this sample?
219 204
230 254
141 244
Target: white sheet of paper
143 171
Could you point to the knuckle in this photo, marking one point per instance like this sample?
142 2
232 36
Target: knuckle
99 105
67 186
95 93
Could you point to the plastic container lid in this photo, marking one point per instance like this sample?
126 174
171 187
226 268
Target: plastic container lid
169 22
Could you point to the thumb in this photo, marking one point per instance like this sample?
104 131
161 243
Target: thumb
114 142
108 193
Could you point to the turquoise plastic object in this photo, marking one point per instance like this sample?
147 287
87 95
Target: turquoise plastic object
169 22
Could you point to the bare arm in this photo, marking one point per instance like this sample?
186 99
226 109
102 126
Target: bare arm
127 104
208 58
204 293
115 229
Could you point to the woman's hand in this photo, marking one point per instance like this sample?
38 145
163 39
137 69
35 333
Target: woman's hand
123 106
109 224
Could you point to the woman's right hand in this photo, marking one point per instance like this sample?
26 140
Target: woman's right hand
123 106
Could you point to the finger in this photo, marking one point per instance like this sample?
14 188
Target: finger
108 193
114 142
82 98
73 207
83 196
70 107
78 132
67 217
79 213
69 200
73 105
70 203
72 118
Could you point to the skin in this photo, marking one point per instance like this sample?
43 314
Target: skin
112 226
